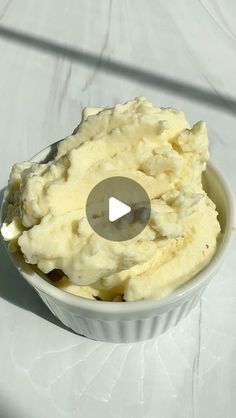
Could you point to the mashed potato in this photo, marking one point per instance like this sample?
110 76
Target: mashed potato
46 217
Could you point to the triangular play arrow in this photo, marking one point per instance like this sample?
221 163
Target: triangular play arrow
117 209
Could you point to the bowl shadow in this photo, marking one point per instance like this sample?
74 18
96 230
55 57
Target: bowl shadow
16 290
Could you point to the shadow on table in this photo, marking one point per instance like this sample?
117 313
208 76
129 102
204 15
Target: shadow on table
12 409
99 62
15 289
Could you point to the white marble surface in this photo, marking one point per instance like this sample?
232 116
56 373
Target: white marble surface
57 56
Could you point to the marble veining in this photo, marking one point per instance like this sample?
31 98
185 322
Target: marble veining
102 51
5 9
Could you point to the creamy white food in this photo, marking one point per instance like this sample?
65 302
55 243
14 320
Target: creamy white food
156 147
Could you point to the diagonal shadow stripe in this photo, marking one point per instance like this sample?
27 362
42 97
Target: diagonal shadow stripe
157 81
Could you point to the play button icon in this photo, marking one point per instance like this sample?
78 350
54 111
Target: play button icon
118 208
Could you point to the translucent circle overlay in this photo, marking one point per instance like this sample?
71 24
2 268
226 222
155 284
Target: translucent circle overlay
127 191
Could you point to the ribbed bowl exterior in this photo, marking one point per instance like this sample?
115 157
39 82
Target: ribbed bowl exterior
119 330
126 322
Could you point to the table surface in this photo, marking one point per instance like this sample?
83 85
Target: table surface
56 58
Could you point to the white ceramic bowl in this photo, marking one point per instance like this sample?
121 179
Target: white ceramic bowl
134 321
